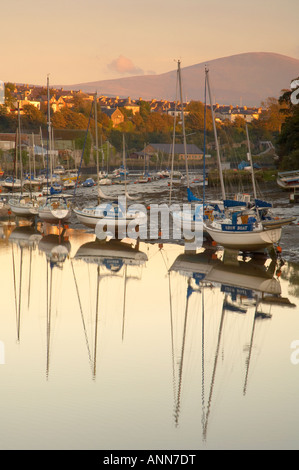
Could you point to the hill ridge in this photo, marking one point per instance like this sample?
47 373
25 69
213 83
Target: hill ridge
244 78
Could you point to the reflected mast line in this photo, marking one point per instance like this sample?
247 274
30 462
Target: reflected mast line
214 371
178 404
96 323
82 315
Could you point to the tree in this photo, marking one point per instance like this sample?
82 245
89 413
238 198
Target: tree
156 122
69 119
288 139
33 117
274 115
195 116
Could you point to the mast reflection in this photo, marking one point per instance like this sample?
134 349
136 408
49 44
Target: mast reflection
242 284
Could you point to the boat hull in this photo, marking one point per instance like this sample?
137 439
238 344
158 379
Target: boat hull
245 241
55 210
23 210
93 219
54 216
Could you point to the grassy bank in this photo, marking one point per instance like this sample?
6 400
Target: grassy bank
235 177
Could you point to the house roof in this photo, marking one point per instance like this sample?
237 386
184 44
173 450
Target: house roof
109 111
178 148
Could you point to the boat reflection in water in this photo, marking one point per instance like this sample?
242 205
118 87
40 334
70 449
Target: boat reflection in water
112 255
25 238
240 287
125 344
56 248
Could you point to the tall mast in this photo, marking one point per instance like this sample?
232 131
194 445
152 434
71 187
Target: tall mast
216 137
183 121
97 146
251 164
20 148
125 168
49 130
173 139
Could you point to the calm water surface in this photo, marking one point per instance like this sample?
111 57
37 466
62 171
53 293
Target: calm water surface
125 346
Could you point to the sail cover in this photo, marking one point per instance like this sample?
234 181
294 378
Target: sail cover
191 196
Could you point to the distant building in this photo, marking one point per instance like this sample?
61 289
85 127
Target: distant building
193 152
129 104
231 113
115 115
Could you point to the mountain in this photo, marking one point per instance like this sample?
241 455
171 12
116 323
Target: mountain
245 79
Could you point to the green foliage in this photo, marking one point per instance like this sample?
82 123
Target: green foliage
69 119
33 117
288 139
79 144
290 162
279 124
196 117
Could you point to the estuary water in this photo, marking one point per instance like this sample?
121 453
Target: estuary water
143 346
129 346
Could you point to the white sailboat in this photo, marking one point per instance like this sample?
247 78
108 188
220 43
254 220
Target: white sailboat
288 179
12 183
244 286
240 230
56 209
112 217
189 221
112 257
26 205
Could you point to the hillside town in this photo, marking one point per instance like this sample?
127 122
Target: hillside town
60 98
20 97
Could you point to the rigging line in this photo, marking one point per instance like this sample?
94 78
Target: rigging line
20 297
178 405
214 373
85 139
173 137
183 123
203 360
172 337
82 315
96 323
204 145
15 282
30 265
49 311
162 254
124 302
250 350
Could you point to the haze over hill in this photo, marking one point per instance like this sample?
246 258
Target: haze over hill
242 79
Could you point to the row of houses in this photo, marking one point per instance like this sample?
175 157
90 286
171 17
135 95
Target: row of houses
64 149
112 106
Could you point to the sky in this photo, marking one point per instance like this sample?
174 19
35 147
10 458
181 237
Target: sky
79 41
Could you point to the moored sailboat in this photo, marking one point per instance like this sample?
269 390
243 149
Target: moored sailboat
244 230
25 205
113 217
56 208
